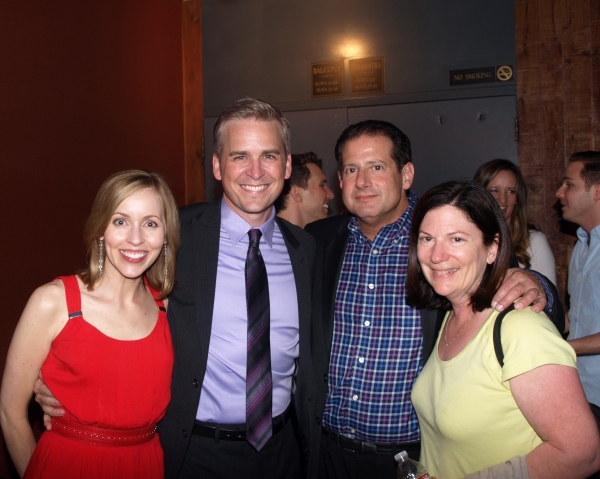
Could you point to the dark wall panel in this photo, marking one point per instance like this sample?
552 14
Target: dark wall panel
264 48
86 89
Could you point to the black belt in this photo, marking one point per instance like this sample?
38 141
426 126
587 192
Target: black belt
357 445
236 432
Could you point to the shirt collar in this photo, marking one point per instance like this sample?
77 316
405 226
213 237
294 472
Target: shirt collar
583 236
236 227
394 230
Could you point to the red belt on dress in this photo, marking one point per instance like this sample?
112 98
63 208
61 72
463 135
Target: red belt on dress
102 437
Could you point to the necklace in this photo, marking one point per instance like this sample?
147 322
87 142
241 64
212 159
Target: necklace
448 343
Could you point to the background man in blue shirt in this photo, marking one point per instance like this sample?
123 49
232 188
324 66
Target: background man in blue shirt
579 196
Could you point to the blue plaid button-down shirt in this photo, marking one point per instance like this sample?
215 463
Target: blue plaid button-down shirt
377 350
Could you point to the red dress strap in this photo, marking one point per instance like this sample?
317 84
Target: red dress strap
73 295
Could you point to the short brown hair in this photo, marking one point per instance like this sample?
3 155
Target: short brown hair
480 207
299 177
249 108
110 195
401 151
591 166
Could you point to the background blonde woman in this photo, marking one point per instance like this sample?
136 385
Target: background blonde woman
504 181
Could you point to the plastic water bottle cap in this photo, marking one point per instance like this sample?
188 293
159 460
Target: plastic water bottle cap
401 456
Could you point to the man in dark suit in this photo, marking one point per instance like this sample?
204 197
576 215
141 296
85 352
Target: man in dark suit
372 344
203 433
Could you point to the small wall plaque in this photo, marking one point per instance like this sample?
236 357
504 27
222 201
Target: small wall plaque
327 79
367 75
502 73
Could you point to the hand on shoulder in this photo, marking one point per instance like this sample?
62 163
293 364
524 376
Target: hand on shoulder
522 285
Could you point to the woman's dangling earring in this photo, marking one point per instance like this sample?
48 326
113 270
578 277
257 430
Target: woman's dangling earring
100 255
166 265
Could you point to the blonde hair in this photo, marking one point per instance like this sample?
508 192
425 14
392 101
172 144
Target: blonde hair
110 195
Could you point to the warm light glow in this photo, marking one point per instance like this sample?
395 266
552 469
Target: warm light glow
351 48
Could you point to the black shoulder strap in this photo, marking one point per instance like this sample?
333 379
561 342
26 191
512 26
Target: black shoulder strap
497 336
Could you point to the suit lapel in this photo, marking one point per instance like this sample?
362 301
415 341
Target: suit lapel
206 233
334 252
302 278
300 270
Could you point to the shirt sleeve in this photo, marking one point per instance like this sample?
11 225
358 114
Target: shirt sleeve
530 340
554 311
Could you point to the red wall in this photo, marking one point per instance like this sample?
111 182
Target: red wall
86 89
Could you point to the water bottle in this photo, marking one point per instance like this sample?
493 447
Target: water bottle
409 469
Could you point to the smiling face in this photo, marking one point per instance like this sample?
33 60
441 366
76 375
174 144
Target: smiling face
503 188
579 205
316 196
135 235
372 187
252 167
452 254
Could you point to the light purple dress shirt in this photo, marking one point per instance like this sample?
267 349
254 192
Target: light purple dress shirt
223 396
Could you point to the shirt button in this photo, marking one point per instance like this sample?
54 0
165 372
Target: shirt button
371 286
361 360
352 430
574 305
355 397
579 278
375 251
395 241
367 323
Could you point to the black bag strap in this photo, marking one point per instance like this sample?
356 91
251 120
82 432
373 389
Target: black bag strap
496 335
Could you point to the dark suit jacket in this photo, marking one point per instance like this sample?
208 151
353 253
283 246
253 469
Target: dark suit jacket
332 236
190 318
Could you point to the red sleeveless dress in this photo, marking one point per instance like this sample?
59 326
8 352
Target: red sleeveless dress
105 383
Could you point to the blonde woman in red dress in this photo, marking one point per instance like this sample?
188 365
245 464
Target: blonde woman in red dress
101 342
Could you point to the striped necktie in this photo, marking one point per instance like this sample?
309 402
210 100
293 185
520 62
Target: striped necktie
259 383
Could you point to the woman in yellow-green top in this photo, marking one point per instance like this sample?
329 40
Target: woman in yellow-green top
527 419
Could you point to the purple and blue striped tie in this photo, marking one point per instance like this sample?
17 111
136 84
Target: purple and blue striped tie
259 383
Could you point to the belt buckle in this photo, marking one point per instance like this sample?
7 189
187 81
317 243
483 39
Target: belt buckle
348 439
232 434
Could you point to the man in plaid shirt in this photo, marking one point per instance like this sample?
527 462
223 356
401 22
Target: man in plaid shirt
370 344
